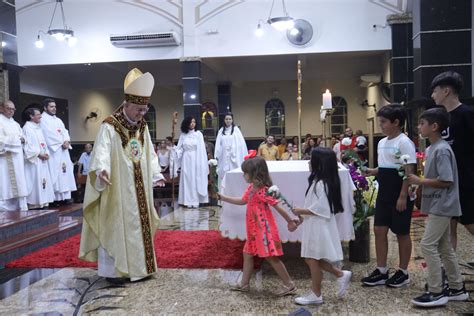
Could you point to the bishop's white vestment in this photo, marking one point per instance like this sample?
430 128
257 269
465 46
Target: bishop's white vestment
120 219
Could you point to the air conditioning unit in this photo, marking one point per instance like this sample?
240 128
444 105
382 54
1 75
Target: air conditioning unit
145 40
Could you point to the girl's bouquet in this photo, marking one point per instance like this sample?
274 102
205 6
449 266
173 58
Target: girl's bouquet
274 192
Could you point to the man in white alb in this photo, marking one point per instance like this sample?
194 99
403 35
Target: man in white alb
13 190
58 141
35 150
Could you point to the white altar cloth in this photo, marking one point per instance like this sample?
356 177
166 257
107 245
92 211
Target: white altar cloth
292 179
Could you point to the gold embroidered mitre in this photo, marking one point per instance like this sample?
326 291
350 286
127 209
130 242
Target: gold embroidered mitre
138 87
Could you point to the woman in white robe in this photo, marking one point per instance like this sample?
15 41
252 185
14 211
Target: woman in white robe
36 154
192 158
230 148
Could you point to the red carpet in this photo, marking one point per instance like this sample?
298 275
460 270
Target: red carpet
174 249
417 213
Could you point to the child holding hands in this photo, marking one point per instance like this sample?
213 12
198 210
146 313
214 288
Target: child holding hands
320 244
263 239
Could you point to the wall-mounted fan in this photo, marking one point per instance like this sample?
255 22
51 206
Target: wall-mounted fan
301 33
372 80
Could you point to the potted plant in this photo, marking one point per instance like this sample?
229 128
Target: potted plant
365 196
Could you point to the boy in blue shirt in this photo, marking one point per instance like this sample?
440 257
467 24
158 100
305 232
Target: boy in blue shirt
440 200
393 206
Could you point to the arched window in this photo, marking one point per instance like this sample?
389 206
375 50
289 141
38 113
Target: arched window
339 116
275 118
209 119
150 118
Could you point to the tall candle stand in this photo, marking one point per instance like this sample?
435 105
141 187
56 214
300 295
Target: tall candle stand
327 125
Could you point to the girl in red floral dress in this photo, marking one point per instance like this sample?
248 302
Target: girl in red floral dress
263 239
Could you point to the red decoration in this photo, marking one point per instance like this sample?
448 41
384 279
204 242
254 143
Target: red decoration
252 153
174 249
420 155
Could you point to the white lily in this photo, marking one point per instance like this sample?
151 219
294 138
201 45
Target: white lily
404 158
273 189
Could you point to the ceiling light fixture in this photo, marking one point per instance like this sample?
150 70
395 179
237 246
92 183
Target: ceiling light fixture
59 34
281 23
259 31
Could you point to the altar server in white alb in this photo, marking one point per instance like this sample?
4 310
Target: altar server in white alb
39 184
12 175
190 154
230 147
58 141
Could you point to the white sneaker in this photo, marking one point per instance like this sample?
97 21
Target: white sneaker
343 283
309 299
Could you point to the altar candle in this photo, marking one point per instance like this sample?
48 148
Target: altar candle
327 100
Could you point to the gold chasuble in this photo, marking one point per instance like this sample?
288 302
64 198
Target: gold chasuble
122 218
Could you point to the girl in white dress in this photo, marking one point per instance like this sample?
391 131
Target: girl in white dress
192 158
163 156
320 245
230 147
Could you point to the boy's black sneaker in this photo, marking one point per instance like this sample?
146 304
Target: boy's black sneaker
398 279
375 278
430 300
456 295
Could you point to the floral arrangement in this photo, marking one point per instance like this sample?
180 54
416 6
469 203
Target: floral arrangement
351 153
364 196
213 182
274 191
366 191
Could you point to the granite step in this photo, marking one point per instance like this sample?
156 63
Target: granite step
32 240
74 209
18 222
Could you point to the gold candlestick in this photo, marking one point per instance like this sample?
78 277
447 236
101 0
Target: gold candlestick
298 99
326 125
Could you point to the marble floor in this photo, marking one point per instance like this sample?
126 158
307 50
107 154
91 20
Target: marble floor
74 291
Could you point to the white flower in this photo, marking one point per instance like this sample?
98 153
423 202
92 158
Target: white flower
404 158
273 189
346 141
212 162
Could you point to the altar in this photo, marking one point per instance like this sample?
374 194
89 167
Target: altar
292 179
